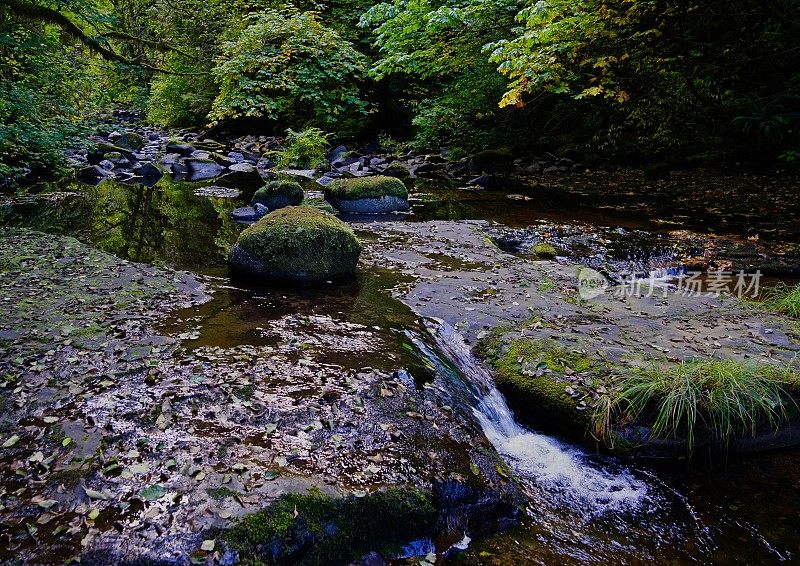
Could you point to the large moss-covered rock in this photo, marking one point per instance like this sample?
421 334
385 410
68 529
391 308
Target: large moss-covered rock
368 195
531 375
317 529
279 194
298 243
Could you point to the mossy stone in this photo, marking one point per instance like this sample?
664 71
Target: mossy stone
537 396
298 243
319 203
318 529
396 169
369 195
279 194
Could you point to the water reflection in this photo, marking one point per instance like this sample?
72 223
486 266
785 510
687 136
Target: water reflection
161 224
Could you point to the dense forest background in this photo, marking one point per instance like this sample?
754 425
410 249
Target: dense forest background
635 80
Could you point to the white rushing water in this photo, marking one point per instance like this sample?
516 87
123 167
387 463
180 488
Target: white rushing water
551 465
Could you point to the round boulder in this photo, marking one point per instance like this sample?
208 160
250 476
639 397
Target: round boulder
300 244
367 195
279 194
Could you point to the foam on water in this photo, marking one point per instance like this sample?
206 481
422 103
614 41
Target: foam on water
552 466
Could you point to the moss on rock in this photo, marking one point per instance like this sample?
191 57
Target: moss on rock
545 250
318 529
530 373
299 243
366 187
319 203
279 194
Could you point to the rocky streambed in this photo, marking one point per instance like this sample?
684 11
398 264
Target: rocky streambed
147 412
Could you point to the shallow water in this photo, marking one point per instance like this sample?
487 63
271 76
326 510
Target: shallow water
583 508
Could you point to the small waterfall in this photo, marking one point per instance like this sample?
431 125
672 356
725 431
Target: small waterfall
544 463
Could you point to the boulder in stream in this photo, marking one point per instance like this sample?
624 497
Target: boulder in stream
368 195
279 194
300 244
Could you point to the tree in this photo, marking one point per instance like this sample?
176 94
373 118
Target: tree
285 65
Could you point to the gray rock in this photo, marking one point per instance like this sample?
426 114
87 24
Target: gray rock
147 171
482 181
337 152
379 205
299 173
236 156
242 167
200 154
324 180
93 174
180 148
202 169
249 213
106 164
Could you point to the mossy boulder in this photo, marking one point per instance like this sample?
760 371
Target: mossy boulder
492 160
531 375
318 529
279 194
298 243
368 195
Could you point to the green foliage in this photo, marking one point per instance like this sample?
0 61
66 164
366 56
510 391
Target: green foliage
664 75
286 65
180 100
724 398
305 150
317 529
39 106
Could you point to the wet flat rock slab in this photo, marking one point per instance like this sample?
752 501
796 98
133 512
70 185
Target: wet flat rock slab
119 444
481 287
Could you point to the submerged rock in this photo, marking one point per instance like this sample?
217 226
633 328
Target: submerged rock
279 194
301 244
368 195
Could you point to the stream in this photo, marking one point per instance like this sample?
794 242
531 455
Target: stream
582 507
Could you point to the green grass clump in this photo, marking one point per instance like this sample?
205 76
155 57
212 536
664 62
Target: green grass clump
297 243
317 529
784 299
717 399
366 187
278 194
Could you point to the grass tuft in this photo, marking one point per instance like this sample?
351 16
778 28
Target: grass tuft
784 299
717 399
